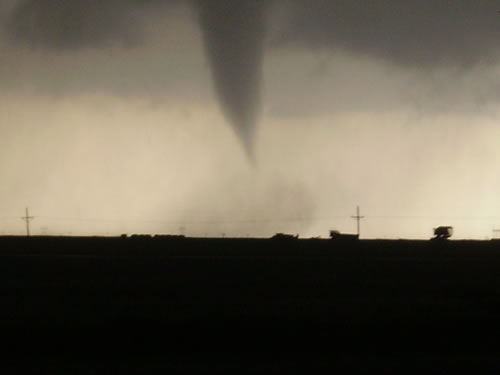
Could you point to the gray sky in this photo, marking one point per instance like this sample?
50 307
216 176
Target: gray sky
145 116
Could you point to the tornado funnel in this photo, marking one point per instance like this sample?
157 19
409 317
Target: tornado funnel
233 33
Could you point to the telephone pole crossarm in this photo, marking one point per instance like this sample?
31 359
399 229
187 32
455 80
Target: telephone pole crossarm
27 218
358 218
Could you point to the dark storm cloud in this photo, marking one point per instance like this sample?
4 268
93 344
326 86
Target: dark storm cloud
412 32
63 24
71 24
406 31
422 34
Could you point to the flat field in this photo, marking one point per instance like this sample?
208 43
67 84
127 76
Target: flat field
212 302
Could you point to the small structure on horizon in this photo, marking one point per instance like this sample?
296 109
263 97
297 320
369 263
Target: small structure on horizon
284 236
496 234
140 236
170 236
443 233
336 235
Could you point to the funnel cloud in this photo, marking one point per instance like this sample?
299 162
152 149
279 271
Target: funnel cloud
234 35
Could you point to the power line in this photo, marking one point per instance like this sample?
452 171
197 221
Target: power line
208 221
421 217
358 217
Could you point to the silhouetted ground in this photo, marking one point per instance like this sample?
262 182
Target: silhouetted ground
151 305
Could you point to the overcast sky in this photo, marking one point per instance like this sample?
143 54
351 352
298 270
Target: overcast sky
250 117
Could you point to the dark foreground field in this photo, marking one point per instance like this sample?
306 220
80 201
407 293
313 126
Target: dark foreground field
169 305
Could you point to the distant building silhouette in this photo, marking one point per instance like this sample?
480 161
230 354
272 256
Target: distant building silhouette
283 236
141 236
170 236
336 235
443 232
496 234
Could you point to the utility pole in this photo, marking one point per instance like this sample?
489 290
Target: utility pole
27 218
358 218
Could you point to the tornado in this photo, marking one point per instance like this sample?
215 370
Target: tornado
233 34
